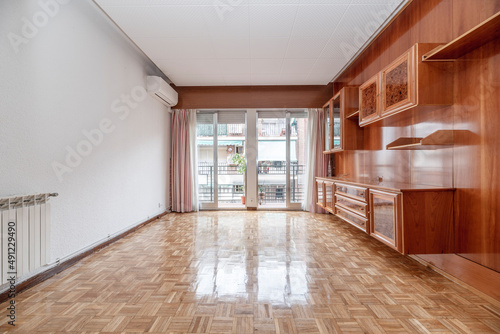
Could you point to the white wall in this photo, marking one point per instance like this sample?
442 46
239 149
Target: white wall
63 80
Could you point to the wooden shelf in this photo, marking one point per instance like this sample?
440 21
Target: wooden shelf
436 140
481 34
354 115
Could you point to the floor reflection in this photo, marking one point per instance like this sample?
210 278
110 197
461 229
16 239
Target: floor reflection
250 272
251 258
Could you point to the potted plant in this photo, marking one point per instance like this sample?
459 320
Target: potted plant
239 161
262 194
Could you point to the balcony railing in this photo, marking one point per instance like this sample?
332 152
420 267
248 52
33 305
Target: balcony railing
265 130
207 130
273 192
275 129
273 168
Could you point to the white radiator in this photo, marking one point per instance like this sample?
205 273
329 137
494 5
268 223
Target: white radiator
25 246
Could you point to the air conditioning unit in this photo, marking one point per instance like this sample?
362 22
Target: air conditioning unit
162 91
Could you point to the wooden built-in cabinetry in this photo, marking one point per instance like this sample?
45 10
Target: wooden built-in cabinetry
405 83
325 196
351 203
412 219
467 161
341 128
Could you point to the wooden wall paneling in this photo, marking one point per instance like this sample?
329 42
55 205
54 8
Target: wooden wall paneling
467 14
428 222
483 33
476 157
435 79
397 38
390 165
432 166
421 22
472 164
350 164
473 274
223 97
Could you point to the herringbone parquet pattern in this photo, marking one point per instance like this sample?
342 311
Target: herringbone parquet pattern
250 272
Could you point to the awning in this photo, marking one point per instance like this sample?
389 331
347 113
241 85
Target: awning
220 142
275 150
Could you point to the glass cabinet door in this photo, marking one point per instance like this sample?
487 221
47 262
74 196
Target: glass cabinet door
385 218
329 192
326 127
337 123
319 194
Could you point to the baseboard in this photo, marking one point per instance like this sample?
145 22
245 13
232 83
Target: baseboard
44 275
464 272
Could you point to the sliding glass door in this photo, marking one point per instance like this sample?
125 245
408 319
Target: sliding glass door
231 159
277 159
221 159
206 159
298 157
281 158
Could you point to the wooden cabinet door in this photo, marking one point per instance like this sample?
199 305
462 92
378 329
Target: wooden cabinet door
385 218
329 196
399 84
369 109
327 127
320 198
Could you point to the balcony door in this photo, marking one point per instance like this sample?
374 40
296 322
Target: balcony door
221 159
281 159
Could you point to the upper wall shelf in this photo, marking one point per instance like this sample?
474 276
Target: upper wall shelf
481 34
354 115
437 139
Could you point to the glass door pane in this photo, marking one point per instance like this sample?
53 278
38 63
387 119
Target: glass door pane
206 159
326 124
271 159
231 159
298 155
336 115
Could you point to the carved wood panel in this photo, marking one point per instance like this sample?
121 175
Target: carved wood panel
369 100
396 84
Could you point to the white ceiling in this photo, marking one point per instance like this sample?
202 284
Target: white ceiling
250 42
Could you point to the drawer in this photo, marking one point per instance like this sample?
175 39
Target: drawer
360 208
352 218
358 193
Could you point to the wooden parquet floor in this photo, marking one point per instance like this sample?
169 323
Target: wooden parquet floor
250 272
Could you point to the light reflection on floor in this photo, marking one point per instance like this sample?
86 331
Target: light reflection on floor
250 272
251 259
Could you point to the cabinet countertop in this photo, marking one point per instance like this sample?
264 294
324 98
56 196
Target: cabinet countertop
385 185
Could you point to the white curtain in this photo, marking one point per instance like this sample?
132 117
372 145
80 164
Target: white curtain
194 160
184 167
316 160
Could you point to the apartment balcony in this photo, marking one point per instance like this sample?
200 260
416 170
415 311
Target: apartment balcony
271 185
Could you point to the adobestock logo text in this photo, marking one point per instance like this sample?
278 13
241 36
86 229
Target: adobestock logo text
30 26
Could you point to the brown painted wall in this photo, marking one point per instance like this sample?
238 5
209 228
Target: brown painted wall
223 97
472 166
